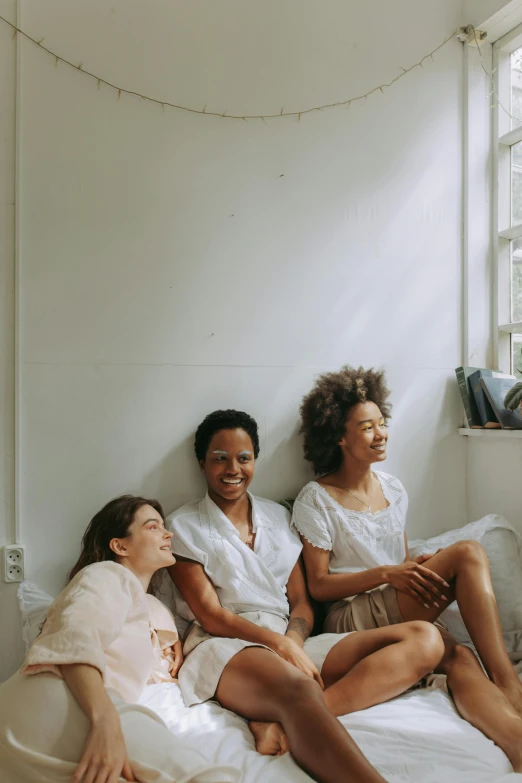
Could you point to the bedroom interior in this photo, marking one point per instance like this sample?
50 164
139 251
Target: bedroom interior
180 233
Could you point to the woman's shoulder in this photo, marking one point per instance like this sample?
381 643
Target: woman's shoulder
184 514
272 514
271 507
190 527
106 578
310 493
104 569
391 482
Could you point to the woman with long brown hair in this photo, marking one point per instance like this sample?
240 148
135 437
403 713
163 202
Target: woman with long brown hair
70 713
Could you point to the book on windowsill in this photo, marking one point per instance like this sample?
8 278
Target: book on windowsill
468 399
495 390
486 414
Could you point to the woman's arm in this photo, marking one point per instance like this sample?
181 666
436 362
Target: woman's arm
409 577
200 595
104 757
301 620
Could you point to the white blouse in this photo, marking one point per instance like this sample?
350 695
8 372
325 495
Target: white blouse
356 540
245 580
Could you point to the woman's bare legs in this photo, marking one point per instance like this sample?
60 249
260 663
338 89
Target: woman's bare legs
480 702
364 669
259 685
465 567
370 667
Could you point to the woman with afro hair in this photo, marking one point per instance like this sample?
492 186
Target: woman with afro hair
240 584
352 523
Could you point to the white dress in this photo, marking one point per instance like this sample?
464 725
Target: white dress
250 583
105 619
356 540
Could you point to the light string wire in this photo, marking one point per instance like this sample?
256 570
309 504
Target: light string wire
494 92
123 91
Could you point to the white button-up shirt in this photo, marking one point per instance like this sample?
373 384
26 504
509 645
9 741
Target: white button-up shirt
245 580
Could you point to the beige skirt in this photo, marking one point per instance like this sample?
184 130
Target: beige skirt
373 609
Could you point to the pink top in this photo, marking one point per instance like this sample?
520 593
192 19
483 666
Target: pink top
105 619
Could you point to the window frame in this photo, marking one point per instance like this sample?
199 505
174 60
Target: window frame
503 140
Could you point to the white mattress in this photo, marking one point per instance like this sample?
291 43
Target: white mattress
418 738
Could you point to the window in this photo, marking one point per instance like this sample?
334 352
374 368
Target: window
507 58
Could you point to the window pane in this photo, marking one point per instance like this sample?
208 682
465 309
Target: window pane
516 184
516 353
516 280
516 88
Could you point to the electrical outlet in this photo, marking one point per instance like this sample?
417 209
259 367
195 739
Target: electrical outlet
13 557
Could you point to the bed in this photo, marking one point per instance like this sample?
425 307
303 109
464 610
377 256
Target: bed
418 737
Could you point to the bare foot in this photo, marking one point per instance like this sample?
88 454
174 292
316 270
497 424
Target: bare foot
270 738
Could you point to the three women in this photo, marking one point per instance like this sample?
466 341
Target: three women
241 586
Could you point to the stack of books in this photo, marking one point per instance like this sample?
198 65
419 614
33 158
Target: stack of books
483 393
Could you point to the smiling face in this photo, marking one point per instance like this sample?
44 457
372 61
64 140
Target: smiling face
146 548
229 464
365 434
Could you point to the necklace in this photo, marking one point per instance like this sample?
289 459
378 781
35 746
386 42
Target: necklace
251 535
362 502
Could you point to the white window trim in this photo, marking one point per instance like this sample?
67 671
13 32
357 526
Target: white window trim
503 232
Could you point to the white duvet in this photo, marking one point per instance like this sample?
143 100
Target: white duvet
418 738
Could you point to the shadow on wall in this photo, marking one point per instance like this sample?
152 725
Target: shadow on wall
281 473
173 480
428 463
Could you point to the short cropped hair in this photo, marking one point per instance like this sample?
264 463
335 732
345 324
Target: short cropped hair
224 420
325 409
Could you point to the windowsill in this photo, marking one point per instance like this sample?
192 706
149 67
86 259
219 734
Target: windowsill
494 433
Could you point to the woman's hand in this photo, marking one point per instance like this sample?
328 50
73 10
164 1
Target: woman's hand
104 757
177 650
418 582
290 651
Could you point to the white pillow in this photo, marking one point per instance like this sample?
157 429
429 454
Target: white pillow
502 546
34 605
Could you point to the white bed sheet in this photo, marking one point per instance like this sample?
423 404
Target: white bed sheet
418 738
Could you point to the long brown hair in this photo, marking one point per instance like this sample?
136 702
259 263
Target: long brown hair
113 521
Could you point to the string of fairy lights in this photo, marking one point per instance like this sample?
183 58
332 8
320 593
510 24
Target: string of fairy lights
120 90
462 33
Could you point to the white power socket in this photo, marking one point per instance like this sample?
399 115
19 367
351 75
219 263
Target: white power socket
13 557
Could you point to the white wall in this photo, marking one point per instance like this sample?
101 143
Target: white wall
11 645
476 12
174 263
